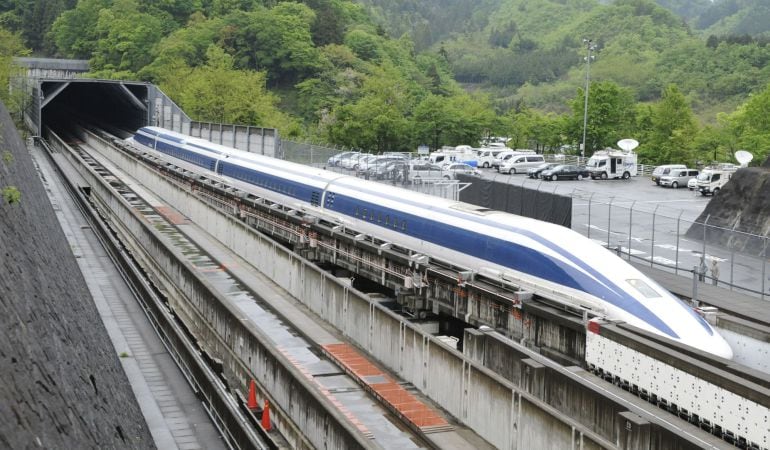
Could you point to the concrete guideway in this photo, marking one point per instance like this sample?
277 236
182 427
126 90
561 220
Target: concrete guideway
175 417
367 411
495 409
296 337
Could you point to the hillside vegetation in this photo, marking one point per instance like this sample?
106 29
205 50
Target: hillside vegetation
689 79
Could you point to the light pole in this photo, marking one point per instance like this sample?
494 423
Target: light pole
590 47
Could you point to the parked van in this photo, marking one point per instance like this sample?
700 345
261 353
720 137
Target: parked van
678 177
664 170
419 171
507 154
487 156
520 163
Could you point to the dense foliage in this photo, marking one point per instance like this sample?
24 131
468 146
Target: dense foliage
690 79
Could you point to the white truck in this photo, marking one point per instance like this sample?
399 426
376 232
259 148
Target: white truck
445 156
713 178
612 163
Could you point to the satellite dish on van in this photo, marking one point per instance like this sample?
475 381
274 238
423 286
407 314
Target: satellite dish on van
628 144
743 157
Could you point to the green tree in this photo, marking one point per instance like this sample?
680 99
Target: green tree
520 123
276 40
33 19
217 92
74 32
11 93
474 115
126 38
611 115
379 119
186 46
751 124
433 119
365 45
671 138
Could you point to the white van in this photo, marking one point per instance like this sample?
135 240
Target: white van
487 156
521 163
664 170
507 154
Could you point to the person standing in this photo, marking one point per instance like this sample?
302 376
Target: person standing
702 270
714 272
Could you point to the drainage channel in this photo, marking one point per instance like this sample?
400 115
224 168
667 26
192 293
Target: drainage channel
361 409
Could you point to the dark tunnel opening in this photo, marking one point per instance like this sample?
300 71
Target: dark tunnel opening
117 107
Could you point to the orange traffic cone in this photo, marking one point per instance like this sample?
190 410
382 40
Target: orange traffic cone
266 417
252 402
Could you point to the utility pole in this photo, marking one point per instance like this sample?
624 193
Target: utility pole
590 47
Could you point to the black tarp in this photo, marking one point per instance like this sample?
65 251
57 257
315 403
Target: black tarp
515 199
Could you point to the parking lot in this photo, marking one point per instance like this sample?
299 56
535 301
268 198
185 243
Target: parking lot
639 191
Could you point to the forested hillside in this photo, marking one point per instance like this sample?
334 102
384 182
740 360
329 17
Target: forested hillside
689 79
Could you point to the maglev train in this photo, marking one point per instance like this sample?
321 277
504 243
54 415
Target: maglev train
550 260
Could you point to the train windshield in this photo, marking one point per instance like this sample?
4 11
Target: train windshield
644 288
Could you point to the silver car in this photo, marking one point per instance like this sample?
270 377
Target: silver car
450 171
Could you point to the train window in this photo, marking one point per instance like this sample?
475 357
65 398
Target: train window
379 217
387 219
403 225
644 288
363 213
357 211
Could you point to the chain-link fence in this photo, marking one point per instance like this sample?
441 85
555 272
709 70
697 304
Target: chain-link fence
309 153
649 233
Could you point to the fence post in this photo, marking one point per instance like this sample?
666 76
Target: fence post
609 220
705 224
652 240
695 275
732 253
589 213
678 222
764 267
630 227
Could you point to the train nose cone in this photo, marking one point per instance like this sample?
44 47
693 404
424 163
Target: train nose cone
716 345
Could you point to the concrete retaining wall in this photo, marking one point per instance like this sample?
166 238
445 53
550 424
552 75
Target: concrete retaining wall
493 407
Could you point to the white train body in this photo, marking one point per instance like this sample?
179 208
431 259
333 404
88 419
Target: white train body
550 260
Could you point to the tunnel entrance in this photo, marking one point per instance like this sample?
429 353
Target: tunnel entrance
119 107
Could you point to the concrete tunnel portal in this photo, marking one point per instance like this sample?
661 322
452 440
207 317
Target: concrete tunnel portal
119 107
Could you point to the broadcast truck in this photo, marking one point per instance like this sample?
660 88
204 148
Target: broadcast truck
610 163
712 179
